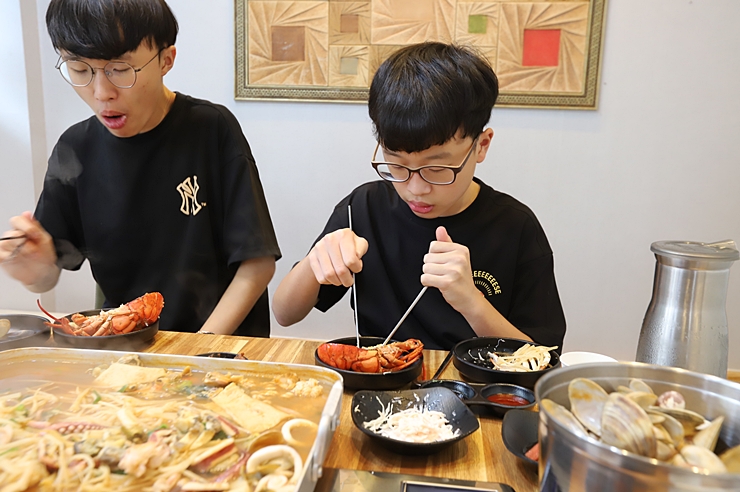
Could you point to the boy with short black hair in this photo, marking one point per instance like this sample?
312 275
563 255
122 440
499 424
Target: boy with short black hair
483 253
158 191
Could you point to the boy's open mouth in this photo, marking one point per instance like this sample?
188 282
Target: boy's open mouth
113 120
420 207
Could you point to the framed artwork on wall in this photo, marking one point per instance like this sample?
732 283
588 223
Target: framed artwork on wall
546 54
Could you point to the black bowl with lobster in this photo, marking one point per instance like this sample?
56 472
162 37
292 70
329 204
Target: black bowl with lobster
344 351
127 327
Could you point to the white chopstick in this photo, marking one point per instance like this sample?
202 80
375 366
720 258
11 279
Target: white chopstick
354 290
393 332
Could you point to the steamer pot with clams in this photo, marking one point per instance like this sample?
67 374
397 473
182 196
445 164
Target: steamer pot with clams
638 427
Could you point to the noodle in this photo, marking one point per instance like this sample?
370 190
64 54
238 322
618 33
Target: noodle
525 359
412 425
150 436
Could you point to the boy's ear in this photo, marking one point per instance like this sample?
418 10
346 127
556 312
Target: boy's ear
168 59
484 143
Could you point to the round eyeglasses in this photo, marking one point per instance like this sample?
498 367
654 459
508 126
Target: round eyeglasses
436 175
79 73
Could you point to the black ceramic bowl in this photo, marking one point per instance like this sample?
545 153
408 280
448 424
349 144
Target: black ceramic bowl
471 360
222 355
126 341
25 331
519 432
373 381
368 405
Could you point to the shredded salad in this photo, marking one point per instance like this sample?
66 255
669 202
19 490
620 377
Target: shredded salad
415 424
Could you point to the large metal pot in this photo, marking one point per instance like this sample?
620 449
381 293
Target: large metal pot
572 463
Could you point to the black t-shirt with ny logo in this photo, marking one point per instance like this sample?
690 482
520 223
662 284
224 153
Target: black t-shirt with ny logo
511 260
174 210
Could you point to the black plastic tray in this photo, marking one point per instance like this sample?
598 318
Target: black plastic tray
474 395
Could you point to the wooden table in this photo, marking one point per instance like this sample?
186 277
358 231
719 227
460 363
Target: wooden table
479 457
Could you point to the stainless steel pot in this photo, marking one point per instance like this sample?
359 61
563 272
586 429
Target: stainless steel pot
571 463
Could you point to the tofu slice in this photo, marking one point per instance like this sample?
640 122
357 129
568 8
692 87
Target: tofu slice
251 414
118 375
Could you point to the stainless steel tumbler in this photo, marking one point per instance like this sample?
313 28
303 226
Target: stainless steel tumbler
686 322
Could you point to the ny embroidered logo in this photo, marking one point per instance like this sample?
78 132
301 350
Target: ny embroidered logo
189 194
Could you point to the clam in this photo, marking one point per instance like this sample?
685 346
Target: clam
731 459
643 398
640 385
564 416
689 420
707 437
703 458
673 427
671 399
627 426
587 402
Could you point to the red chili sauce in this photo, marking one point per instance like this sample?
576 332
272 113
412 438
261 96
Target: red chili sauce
508 399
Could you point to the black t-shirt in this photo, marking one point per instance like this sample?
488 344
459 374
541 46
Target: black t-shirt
510 257
174 210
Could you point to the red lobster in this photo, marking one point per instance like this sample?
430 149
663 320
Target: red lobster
132 316
381 358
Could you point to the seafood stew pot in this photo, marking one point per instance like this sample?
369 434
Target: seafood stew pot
69 366
569 462
373 381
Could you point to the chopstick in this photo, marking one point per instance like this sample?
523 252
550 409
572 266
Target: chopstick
8 238
443 365
405 315
354 289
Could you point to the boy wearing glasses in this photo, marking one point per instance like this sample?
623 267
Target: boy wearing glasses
158 190
430 222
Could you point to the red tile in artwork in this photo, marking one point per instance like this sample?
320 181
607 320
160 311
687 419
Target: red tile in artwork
541 48
288 43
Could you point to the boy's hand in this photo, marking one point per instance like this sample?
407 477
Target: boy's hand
336 256
447 267
28 260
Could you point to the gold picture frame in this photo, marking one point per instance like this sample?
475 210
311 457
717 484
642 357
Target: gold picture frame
546 54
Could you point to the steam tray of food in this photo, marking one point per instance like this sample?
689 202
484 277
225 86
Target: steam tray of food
504 360
421 421
372 366
74 419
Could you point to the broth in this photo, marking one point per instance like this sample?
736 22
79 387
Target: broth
52 402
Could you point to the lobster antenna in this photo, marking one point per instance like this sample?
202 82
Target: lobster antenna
354 289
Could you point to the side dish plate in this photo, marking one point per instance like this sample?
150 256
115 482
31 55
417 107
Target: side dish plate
470 357
368 405
25 331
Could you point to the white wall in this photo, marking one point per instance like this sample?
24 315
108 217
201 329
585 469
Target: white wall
657 160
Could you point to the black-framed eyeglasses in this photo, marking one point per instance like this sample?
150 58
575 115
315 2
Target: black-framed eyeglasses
436 175
79 73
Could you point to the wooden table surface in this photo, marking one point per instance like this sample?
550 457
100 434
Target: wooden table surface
479 457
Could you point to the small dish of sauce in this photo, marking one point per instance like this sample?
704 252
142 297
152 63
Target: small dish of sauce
508 399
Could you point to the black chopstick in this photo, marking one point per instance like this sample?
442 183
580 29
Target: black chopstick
443 365
8 238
